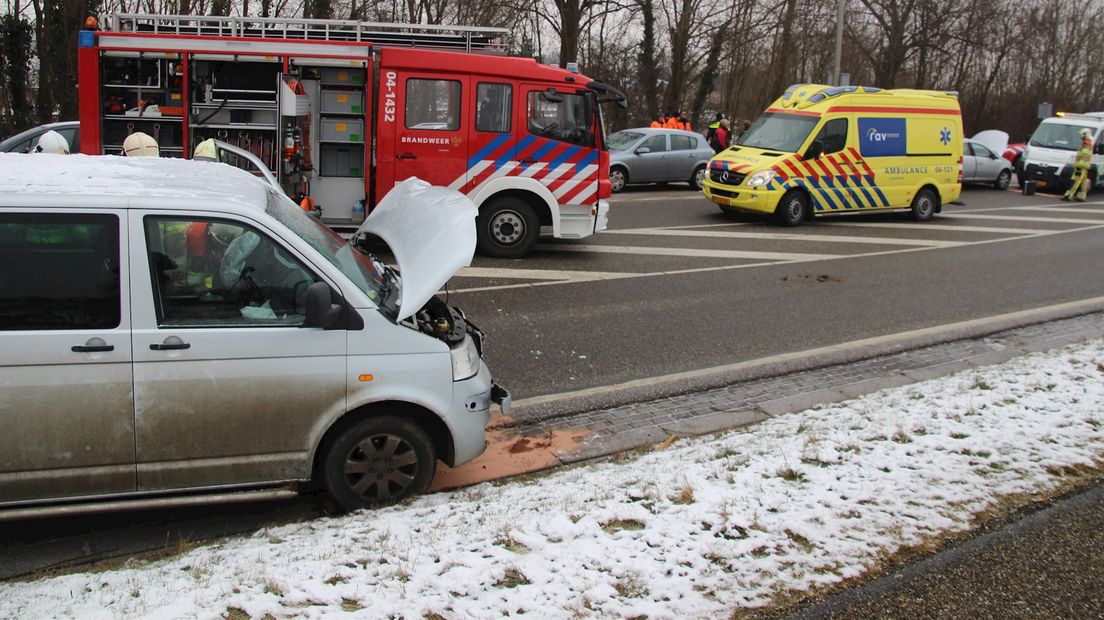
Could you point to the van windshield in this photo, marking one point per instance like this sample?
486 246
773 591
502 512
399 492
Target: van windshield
1058 136
777 131
358 266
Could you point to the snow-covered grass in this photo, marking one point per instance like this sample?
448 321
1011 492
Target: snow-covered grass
698 530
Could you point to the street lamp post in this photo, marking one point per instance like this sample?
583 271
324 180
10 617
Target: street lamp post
839 44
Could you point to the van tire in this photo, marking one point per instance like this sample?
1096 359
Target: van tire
793 209
619 178
396 452
924 204
508 228
697 178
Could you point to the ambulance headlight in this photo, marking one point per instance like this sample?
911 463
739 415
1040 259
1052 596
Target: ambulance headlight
759 179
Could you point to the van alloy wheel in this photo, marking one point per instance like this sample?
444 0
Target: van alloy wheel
379 461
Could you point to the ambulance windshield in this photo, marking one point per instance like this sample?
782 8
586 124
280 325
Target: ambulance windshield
1058 136
779 132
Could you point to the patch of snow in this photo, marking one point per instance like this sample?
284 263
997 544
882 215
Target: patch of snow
694 531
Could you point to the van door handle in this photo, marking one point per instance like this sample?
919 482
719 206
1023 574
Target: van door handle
406 156
94 345
172 343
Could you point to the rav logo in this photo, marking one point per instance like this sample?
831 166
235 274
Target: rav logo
881 136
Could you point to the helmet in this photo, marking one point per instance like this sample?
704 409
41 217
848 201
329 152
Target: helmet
140 144
52 142
1086 133
205 151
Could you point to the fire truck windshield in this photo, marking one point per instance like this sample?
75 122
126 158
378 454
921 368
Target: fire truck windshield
778 132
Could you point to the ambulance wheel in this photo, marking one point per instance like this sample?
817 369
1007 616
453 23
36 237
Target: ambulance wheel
792 209
379 461
1003 179
508 228
697 178
618 179
923 205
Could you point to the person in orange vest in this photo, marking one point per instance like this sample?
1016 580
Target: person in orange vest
682 123
672 120
658 121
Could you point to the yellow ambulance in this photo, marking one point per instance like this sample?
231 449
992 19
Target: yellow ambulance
822 150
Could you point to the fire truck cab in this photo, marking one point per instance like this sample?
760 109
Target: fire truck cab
340 112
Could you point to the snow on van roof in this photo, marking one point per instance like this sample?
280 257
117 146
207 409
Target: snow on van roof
117 176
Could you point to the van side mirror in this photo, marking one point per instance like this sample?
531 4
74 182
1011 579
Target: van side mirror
815 150
321 311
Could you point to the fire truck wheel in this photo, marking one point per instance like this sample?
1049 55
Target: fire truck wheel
508 228
378 461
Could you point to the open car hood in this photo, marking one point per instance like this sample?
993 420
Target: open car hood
993 139
431 232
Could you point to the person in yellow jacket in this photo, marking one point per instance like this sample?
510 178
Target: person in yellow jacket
1079 187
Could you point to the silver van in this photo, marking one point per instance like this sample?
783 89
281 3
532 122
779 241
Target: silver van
180 330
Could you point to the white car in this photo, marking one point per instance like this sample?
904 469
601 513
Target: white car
982 161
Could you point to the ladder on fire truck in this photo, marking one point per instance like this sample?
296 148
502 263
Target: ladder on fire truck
468 39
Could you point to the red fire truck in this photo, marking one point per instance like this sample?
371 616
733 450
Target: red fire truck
341 111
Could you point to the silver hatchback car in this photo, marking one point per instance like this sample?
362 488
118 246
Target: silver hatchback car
649 155
174 328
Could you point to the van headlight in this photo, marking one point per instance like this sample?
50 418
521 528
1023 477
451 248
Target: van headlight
761 178
465 359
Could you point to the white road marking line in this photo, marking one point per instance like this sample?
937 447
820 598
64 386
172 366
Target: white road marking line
946 227
1022 218
666 232
1086 209
627 199
540 274
693 252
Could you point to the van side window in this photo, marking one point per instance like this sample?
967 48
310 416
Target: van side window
212 273
493 103
566 117
433 104
833 135
59 271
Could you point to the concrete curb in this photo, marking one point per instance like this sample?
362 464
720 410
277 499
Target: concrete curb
541 408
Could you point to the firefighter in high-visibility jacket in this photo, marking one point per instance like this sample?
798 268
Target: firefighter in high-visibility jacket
1079 187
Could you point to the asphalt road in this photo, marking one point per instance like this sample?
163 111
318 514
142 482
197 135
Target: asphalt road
677 286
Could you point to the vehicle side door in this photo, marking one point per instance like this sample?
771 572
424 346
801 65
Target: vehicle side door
561 145
969 163
493 145
651 162
682 157
228 383
431 127
66 408
883 156
988 163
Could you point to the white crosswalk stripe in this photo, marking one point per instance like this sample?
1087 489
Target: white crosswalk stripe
718 234
693 252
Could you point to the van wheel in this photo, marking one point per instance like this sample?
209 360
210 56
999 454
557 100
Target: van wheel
379 461
618 179
792 209
1003 179
923 205
697 178
508 228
